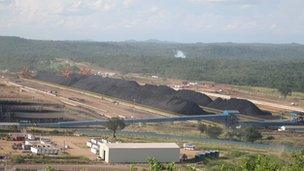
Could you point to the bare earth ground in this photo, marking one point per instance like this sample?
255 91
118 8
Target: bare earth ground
15 93
6 148
77 145
101 106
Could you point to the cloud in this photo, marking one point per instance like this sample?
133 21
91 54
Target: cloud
226 2
245 6
128 3
127 19
104 5
213 1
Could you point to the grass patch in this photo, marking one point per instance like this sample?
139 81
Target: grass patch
22 159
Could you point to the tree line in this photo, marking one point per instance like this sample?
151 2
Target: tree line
267 65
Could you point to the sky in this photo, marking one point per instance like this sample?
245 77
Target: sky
244 21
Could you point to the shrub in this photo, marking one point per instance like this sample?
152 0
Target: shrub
214 131
252 134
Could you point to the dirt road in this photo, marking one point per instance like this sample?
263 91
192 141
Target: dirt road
102 105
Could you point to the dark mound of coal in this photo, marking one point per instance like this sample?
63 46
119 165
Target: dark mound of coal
185 107
183 101
53 77
161 97
242 105
198 98
118 88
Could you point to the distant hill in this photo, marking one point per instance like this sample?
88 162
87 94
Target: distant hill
245 64
14 46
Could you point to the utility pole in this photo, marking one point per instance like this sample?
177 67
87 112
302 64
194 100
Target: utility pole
133 112
64 145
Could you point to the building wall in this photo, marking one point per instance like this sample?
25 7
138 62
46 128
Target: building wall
141 155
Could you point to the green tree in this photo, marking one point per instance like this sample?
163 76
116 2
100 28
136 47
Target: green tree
214 131
202 127
285 90
297 162
155 165
19 159
133 167
260 163
115 124
251 134
49 168
171 166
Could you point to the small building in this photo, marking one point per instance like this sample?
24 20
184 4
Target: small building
43 150
139 152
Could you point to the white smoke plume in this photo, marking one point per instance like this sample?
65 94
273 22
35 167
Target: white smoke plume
180 54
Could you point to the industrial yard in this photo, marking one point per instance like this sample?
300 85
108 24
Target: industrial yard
90 106
54 122
76 146
130 85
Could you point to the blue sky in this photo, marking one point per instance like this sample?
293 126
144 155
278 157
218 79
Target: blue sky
265 21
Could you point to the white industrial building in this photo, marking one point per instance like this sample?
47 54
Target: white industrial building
139 152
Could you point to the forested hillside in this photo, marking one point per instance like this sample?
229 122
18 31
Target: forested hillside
267 65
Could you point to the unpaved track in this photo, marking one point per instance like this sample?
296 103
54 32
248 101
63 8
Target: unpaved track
104 106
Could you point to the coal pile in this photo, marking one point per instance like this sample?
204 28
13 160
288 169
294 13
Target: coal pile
161 97
51 77
242 105
185 102
198 98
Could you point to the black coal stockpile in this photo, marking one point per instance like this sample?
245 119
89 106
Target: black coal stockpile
242 105
51 77
161 97
185 102
198 98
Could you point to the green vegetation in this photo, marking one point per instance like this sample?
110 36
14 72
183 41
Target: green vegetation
156 165
49 168
264 65
46 131
242 162
115 124
266 163
20 159
252 134
202 127
285 89
214 131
